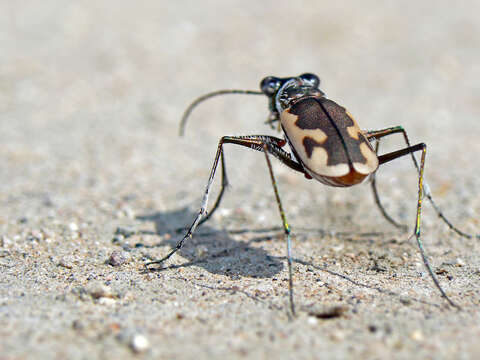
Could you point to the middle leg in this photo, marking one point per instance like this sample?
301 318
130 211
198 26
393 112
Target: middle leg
286 229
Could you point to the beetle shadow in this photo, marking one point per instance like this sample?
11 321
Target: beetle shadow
224 255
214 250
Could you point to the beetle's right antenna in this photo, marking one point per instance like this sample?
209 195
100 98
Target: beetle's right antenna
190 108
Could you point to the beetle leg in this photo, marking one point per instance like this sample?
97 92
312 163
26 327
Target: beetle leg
373 183
223 186
255 142
286 228
224 182
377 134
394 155
267 144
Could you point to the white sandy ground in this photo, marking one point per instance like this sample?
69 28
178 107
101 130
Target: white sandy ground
91 94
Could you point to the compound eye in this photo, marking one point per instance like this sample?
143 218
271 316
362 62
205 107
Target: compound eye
269 85
310 78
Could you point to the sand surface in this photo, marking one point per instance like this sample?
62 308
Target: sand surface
91 94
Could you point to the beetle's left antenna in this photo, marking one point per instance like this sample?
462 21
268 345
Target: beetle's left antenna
190 108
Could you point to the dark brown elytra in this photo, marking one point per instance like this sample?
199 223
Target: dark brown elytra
332 119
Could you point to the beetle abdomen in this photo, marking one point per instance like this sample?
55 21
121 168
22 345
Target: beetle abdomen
328 141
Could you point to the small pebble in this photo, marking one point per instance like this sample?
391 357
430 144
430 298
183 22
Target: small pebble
73 227
337 335
118 258
37 234
459 262
201 251
139 343
129 213
98 290
372 328
328 313
337 248
417 335
224 212
405 300
118 239
107 301
78 325
125 231
66 262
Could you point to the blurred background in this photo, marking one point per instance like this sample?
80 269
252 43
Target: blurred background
91 95
91 92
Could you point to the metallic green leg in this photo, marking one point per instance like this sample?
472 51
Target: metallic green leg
392 156
286 228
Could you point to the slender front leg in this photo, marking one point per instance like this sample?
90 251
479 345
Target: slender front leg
224 182
255 142
223 186
392 156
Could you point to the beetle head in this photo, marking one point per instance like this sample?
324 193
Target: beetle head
284 92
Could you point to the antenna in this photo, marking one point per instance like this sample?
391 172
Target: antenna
190 108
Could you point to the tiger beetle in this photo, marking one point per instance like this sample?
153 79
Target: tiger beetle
326 144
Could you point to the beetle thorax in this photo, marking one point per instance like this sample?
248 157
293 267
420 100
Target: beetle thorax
292 91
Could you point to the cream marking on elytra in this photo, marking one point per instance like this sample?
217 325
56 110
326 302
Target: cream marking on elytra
317 162
372 161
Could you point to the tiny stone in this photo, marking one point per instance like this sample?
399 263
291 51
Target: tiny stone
37 234
73 227
417 335
201 251
98 290
312 320
81 293
78 325
372 328
124 231
48 233
337 336
405 300
459 262
224 212
150 276
66 262
139 343
4 253
107 301
117 239
118 258
129 213
338 248
61 297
